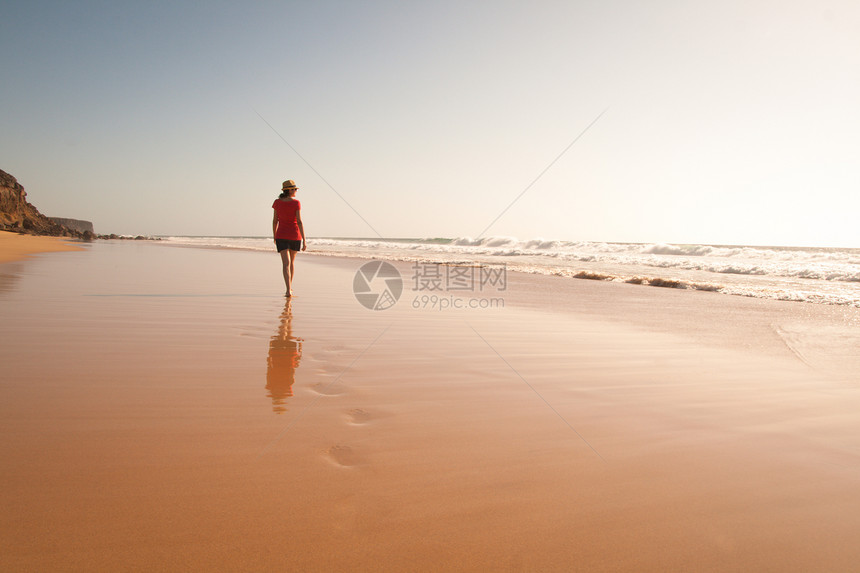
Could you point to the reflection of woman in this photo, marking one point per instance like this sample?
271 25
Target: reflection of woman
285 352
288 230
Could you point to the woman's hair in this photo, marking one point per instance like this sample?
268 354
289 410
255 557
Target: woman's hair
284 195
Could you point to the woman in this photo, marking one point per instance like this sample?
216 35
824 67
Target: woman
288 230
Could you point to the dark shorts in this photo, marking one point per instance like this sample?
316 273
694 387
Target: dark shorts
284 244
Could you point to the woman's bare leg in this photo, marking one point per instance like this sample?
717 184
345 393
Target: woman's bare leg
293 264
292 269
287 262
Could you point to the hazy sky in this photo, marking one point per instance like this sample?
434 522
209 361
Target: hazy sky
727 122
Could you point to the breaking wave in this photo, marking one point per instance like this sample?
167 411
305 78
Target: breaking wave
824 275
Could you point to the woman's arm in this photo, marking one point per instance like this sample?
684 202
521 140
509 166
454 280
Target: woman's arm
301 229
275 225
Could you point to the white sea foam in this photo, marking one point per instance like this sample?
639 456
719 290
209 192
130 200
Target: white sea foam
820 275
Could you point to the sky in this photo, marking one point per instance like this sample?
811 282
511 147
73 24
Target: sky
731 122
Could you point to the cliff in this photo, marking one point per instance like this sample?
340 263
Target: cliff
17 214
74 224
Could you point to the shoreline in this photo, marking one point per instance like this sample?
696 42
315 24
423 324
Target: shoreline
16 247
830 281
820 335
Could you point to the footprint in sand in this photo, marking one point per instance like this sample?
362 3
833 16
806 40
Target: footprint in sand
327 388
326 367
344 456
359 416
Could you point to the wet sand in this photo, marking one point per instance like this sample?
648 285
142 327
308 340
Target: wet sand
164 408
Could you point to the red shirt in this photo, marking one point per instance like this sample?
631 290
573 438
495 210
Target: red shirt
288 226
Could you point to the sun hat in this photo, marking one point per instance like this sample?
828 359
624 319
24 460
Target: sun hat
289 184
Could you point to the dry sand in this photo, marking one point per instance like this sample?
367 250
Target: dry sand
14 247
164 409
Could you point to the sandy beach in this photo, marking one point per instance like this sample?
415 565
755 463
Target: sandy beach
164 408
14 247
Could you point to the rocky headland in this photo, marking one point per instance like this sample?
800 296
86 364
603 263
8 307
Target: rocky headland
18 215
74 224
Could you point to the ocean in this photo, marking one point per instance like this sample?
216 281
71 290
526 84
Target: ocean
803 274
